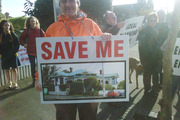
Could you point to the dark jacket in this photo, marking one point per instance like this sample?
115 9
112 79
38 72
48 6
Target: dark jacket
29 37
110 29
149 49
9 46
163 30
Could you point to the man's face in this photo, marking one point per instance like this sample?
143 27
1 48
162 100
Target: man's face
111 19
69 7
152 22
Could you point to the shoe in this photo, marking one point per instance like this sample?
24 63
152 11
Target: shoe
153 93
9 88
16 87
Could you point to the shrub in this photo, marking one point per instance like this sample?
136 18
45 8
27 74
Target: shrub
108 87
63 87
122 84
76 88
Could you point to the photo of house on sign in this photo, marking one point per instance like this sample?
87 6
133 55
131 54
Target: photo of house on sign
78 81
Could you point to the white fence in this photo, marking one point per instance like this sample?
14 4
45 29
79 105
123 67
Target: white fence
23 72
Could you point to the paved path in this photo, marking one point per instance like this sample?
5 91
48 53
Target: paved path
24 104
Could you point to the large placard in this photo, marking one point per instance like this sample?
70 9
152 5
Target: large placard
83 69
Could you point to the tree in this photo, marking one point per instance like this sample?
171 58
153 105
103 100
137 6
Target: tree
96 8
43 10
122 85
143 8
28 6
108 87
91 83
77 88
166 104
47 71
2 16
18 22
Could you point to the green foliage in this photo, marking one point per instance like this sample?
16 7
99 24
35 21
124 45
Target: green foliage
76 88
28 6
122 84
2 16
63 87
95 93
50 86
46 72
108 87
18 22
96 8
91 83
43 10
100 87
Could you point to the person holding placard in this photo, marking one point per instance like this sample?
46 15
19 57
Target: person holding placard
111 25
73 22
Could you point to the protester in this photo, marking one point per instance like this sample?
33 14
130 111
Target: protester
73 22
163 30
150 54
28 40
9 46
111 25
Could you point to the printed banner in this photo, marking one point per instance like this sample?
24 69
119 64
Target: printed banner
131 28
23 56
83 70
176 58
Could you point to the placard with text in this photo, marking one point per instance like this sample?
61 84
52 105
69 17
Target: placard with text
83 69
176 58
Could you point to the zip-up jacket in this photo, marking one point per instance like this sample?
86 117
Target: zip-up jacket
29 37
9 45
81 26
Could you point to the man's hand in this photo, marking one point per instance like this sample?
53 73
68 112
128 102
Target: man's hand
120 25
106 36
38 87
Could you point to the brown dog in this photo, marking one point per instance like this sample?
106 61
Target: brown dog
135 64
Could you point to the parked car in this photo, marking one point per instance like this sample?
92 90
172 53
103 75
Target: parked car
121 93
113 94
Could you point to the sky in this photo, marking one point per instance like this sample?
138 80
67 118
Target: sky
166 5
15 7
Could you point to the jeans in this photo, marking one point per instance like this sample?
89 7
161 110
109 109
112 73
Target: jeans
33 71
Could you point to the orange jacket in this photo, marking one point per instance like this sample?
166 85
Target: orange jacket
81 26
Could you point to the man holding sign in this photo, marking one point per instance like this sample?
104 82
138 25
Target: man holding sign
111 25
73 22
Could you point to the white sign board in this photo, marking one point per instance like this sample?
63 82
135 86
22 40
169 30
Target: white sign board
23 56
83 70
131 28
176 58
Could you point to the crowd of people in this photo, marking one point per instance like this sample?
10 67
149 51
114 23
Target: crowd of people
73 22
